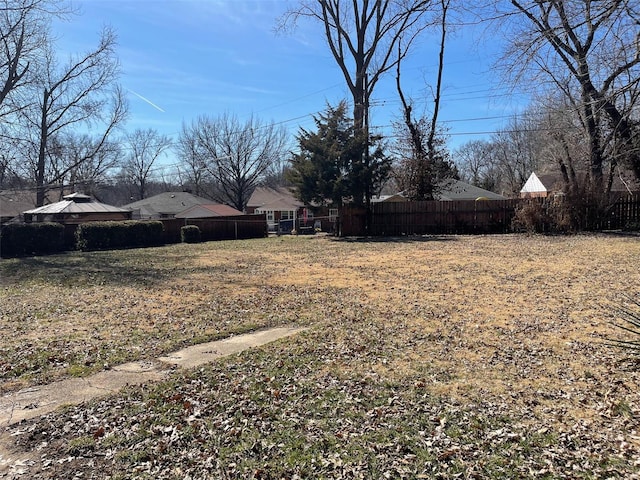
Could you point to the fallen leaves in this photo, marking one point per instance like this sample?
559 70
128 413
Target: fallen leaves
479 357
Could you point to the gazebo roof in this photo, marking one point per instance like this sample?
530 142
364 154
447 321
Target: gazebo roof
74 204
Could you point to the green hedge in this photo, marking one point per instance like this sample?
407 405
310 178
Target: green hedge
113 235
20 239
190 234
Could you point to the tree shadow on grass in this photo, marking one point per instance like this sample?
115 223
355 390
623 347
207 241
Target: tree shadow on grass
137 268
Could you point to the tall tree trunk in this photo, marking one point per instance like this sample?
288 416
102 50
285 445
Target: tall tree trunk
42 152
430 190
595 147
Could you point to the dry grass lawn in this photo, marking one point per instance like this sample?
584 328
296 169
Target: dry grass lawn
487 353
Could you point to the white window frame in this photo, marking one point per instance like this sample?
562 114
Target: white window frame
270 216
287 215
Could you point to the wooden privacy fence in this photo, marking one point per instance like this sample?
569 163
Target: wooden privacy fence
623 214
219 228
466 217
429 217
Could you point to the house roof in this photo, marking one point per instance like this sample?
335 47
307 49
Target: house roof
77 197
212 210
543 182
622 182
533 185
396 197
283 199
452 189
276 199
14 202
75 203
167 203
449 189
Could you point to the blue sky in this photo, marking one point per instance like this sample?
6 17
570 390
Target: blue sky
184 58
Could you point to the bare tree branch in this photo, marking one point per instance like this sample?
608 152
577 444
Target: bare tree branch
235 154
80 93
144 148
584 47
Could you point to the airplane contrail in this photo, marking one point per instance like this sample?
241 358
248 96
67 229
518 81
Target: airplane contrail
146 100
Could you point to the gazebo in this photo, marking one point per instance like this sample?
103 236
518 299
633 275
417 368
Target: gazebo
76 208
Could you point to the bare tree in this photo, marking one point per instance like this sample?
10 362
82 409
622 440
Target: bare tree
420 175
516 150
81 165
422 171
562 145
82 92
363 36
589 50
11 173
475 163
192 155
236 154
276 174
546 137
24 32
144 148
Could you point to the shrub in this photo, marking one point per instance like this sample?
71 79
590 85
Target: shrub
95 235
580 208
145 234
190 234
553 215
112 235
19 239
564 216
531 217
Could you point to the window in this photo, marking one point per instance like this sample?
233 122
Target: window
286 215
333 213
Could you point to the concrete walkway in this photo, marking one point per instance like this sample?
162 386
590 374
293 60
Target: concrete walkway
36 401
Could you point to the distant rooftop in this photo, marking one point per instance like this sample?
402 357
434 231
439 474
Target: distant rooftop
281 198
75 203
166 204
211 210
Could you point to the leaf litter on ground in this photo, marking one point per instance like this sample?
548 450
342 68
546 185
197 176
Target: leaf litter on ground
478 357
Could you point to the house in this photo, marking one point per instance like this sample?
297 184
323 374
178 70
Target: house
14 202
544 185
76 208
452 189
449 190
209 211
279 205
396 197
535 188
164 205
